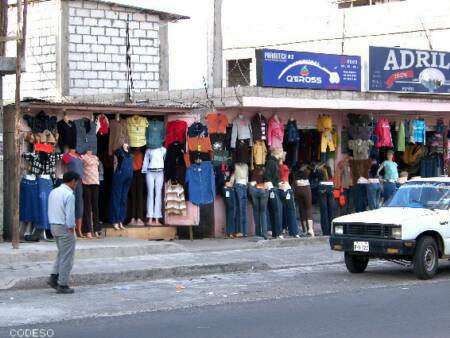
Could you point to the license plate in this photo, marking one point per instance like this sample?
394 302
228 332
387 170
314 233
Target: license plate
361 246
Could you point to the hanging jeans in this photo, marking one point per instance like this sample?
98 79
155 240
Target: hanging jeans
119 195
373 195
360 197
229 197
389 188
241 202
44 188
137 196
29 194
288 210
275 213
90 213
79 200
327 207
155 182
259 198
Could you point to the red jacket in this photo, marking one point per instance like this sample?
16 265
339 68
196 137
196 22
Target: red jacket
383 131
175 131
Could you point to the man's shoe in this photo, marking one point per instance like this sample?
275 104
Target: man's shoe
64 289
52 281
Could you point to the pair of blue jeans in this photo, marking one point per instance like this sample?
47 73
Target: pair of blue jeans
327 207
259 198
45 186
241 203
289 211
229 197
29 194
360 197
373 195
389 188
121 183
275 212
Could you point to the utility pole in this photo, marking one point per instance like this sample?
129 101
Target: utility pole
215 58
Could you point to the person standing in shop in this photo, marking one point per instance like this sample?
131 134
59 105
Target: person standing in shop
61 215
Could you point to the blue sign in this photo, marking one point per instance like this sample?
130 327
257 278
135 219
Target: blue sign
280 68
408 70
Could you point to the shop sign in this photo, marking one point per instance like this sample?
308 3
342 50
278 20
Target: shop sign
285 69
409 70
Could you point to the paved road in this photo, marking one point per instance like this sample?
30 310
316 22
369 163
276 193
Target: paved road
316 301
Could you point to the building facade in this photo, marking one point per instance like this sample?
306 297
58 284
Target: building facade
78 47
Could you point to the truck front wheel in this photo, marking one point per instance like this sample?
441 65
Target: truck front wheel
426 258
355 263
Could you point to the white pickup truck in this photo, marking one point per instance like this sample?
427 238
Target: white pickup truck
412 228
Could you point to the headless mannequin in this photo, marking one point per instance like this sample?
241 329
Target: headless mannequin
126 148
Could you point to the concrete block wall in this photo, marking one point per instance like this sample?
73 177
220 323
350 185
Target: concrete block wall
39 80
97 48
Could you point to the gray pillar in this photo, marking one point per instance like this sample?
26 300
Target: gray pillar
62 49
163 55
217 54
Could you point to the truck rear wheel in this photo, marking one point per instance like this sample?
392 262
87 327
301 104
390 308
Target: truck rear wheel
426 258
355 263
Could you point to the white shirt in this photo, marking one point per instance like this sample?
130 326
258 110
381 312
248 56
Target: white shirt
154 160
61 206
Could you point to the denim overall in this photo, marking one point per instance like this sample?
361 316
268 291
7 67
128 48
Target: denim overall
120 186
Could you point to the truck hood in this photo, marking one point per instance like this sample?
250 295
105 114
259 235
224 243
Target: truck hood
386 216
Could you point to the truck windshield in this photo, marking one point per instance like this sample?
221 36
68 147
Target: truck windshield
429 195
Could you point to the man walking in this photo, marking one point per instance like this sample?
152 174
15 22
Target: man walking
61 215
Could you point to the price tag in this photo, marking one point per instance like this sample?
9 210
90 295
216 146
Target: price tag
288 196
272 195
227 194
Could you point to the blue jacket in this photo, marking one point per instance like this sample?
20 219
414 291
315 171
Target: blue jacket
155 134
291 132
201 183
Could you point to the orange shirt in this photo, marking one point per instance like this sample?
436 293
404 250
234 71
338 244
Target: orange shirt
138 160
201 144
217 123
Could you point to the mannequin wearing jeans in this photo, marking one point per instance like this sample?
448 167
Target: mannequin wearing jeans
153 168
240 188
259 197
121 183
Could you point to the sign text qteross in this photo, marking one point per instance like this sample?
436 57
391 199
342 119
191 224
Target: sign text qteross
278 68
408 70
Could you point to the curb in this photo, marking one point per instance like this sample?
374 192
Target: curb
78 279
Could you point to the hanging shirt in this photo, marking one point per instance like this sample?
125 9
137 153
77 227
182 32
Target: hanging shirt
42 163
154 160
197 129
401 137
360 149
74 163
137 128
201 183
291 132
155 134
259 127
242 130
272 172
217 123
174 164
118 135
86 136
419 131
176 131
275 133
102 124
67 135
259 153
90 169
138 159
383 132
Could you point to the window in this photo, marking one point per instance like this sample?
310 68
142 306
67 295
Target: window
238 72
358 3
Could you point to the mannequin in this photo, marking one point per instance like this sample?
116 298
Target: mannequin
153 168
303 196
91 185
74 163
121 183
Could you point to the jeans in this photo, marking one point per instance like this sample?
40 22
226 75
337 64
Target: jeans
137 196
275 212
29 194
229 196
155 181
389 188
360 197
373 195
289 211
44 188
241 202
327 207
259 198
119 195
90 214
79 200
65 242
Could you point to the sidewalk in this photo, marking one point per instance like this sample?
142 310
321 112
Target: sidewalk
122 260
